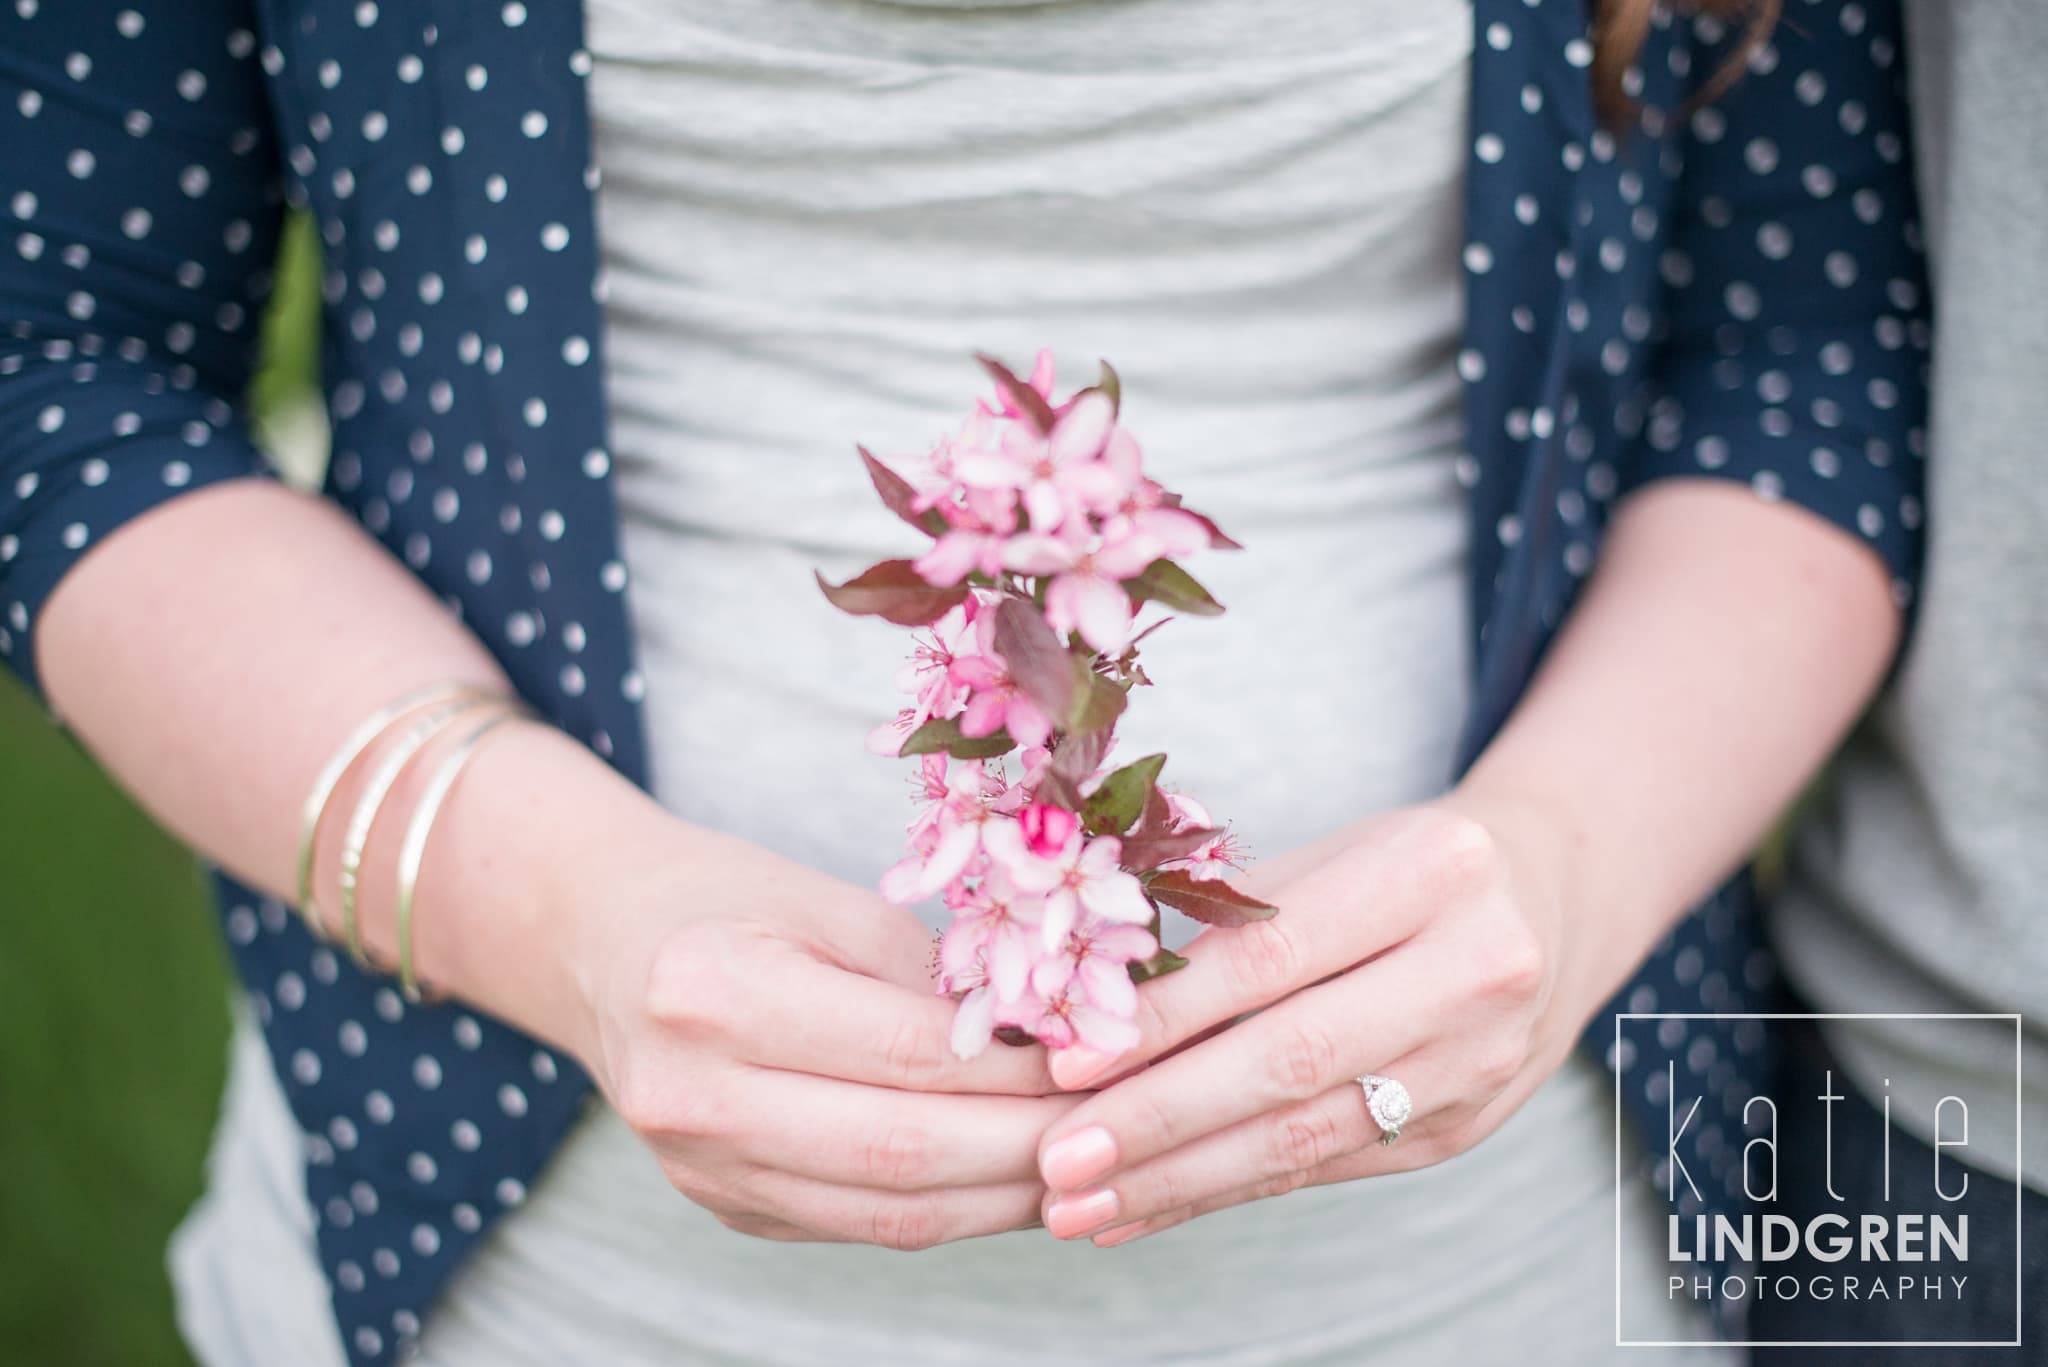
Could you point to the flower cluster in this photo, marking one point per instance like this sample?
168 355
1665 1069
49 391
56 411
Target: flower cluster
1047 541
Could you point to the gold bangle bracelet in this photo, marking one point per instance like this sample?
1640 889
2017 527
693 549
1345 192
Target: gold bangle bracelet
412 852
344 759
374 792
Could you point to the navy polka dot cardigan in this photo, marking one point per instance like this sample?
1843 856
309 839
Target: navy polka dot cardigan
1734 292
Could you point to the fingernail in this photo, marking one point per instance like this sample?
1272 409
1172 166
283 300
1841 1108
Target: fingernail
1074 1215
1122 1234
1079 1157
1078 1066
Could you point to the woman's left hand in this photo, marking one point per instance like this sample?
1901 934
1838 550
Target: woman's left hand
1424 945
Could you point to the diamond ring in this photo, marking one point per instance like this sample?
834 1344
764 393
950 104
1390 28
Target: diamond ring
1389 1103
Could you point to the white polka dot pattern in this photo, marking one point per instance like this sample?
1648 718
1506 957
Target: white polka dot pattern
1732 293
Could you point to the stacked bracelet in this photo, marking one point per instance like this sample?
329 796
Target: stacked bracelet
381 781
414 848
344 759
440 707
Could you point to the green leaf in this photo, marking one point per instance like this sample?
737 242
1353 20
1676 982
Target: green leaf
1038 660
1021 396
894 592
1120 800
1209 900
1165 961
942 734
1162 581
1097 704
1111 385
900 498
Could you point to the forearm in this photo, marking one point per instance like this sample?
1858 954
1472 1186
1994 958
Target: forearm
1721 650
213 653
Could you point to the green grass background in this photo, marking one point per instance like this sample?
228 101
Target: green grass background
113 1011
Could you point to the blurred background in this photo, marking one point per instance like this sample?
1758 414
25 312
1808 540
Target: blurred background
114 990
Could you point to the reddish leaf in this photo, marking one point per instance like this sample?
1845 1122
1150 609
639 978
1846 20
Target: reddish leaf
1144 852
1057 789
1158 817
1020 395
1038 660
900 498
895 592
1210 901
1076 757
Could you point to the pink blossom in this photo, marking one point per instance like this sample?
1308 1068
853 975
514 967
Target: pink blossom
1045 920
1057 475
948 842
1083 876
887 739
997 703
932 788
1217 857
1086 593
959 553
1046 828
929 673
1095 954
1069 1019
1041 380
987 954
996 927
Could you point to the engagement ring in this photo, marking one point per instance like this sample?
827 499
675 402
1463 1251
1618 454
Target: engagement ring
1389 1103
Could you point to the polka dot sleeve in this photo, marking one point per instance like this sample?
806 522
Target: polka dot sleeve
138 222
1797 348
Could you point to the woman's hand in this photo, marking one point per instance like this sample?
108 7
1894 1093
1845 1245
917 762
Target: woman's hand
1424 945
771 1033
1716 656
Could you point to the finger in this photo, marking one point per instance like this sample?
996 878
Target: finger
820 1019
826 1212
764 1227
1277 1151
1429 1141
1367 1162
1232 970
1314 1041
830 1130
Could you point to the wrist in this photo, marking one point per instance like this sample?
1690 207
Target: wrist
517 908
1552 862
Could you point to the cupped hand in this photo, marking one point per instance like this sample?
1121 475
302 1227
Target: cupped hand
772 1034
1423 945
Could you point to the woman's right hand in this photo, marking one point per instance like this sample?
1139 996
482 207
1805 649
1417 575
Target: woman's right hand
772 1034
770 1031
